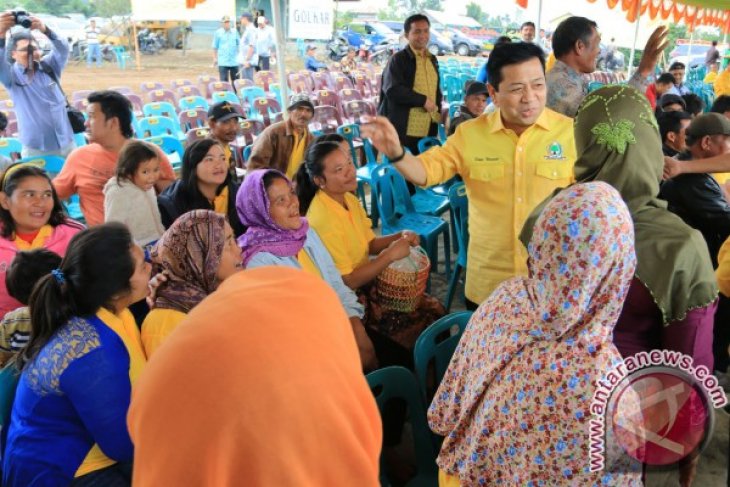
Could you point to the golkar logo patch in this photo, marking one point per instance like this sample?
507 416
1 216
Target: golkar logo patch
555 152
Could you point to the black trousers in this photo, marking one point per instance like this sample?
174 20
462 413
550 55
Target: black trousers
228 73
264 63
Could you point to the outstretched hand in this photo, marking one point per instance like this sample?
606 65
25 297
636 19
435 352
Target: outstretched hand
658 41
383 135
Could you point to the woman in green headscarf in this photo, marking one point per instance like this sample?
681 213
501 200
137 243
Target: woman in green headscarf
672 299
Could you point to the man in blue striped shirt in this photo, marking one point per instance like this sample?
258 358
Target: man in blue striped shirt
225 51
40 106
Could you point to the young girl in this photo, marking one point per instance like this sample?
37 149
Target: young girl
130 197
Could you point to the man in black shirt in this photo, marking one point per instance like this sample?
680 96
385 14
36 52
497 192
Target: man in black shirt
697 198
672 127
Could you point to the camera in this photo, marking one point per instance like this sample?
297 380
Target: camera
22 18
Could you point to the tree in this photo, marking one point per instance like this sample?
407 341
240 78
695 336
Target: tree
108 8
474 10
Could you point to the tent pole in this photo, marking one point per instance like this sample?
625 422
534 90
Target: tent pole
136 44
280 52
636 36
539 21
689 49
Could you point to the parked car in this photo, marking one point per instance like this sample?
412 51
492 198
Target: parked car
439 45
463 45
681 53
375 32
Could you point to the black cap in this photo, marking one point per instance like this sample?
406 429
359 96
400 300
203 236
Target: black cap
476 88
670 98
708 124
222 111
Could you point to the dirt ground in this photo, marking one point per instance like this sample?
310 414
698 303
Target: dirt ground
164 67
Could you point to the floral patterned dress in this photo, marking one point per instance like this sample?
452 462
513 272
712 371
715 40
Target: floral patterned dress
514 402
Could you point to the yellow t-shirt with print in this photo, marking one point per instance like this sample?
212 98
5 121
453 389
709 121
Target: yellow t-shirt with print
506 176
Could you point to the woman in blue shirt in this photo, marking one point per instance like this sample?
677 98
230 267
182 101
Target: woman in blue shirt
68 423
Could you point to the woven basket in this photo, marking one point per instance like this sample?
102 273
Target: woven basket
402 284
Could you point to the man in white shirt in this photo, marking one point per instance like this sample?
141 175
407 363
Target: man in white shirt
265 43
247 58
93 49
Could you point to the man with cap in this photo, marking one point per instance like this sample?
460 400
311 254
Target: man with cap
310 62
669 102
247 58
225 51
265 43
475 101
223 122
677 70
698 198
282 145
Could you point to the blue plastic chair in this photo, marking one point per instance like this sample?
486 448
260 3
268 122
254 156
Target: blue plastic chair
454 88
248 96
80 140
159 109
170 146
595 85
351 133
121 54
275 89
228 96
10 146
157 127
73 208
391 383
436 344
193 102
460 226
51 164
9 377
390 192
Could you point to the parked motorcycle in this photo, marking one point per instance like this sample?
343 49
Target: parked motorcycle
337 49
380 54
149 42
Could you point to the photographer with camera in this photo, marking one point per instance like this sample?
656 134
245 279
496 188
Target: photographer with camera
33 84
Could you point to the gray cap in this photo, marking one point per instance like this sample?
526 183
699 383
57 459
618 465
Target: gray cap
300 100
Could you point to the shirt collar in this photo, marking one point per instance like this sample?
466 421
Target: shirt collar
543 121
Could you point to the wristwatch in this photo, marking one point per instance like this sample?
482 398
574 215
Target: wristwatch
400 157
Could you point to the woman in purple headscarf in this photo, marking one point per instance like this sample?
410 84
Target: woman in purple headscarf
277 235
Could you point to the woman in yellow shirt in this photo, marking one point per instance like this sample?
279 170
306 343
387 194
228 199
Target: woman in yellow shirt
325 185
196 253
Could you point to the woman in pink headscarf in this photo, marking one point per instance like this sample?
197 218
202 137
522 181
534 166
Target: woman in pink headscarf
514 402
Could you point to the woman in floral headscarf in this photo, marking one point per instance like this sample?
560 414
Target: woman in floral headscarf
198 252
672 300
514 402
673 297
